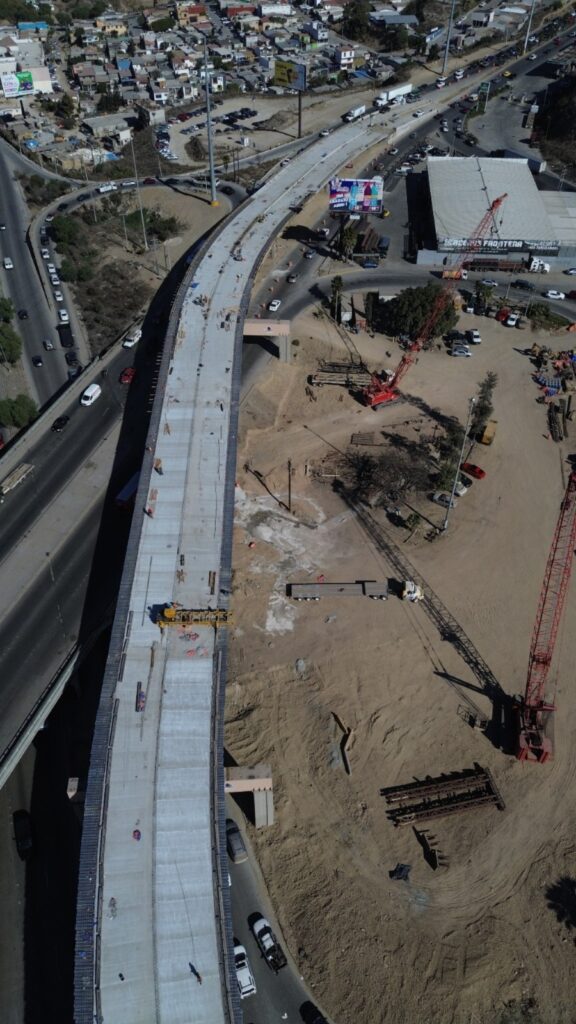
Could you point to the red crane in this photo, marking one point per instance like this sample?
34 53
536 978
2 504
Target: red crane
535 712
378 391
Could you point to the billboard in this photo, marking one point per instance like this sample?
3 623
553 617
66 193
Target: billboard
356 195
290 75
18 84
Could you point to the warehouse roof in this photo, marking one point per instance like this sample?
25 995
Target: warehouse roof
462 189
561 209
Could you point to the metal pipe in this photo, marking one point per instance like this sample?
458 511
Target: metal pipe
460 459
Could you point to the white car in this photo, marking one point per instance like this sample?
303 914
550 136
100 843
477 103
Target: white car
512 320
133 338
45 254
274 305
50 268
533 56
325 131
473 337
552 293
394 151
8 265
441 498
572 271
244 976
58 295
418 113
54 280
461 488
64 317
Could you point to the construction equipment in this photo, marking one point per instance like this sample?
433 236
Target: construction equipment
173 615
376 393
411 591
534 710
349 375
441 796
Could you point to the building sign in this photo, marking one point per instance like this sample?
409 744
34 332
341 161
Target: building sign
290 75
355 195
498 245
18 84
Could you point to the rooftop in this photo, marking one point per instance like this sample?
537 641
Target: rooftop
462 189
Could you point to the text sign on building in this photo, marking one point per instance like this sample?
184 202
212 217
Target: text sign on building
18 84
290 75
355 195
487 245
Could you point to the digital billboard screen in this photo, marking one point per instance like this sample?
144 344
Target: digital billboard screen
356 195
18 84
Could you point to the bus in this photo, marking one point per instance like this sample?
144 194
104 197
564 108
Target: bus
127 496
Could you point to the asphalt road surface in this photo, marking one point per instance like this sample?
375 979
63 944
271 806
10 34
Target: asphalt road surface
22 285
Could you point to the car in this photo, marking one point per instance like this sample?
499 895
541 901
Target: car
309 254
64 316
385 213
310 1014
71 358
455 337
394 151
441 498
524 286
58 296
82 198
132 338
61 207
22 824
418 113
60 424
571 271
37 361
50 267
292 278
274 305
489 282
473 337
370 264
462 487
244 976
460 350
227 190
54 280
533 56
512 319
325 132
45 254
8 265
285 161
127 375
553 293
48 345
235 843
444 128
2 227
150 181
472 470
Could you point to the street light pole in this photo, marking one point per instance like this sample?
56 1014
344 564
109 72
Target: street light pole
213 196
471 405
448 35
529 28
139 194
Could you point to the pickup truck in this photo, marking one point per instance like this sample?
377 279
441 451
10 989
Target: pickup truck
244 977
268 943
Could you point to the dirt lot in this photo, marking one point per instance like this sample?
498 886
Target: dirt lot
486 939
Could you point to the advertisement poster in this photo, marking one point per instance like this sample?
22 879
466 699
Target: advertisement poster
356 195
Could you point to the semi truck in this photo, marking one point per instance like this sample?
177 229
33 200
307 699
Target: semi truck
268 944
393 96
355 113
533 264
15 477
455 275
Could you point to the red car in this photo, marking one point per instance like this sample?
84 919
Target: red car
472 470
127 375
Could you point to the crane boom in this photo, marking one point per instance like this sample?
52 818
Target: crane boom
378 391
535 711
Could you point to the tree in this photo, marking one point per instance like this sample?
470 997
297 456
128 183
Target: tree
6 310
66 231
17 412
10 344
336 286
433 53
356 21
408 312
483 407
109 102
348 240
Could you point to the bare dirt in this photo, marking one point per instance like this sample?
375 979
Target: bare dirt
488 938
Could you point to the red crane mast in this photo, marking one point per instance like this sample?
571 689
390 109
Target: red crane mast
535 712
378 392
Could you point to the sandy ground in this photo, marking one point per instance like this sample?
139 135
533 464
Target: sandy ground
481 940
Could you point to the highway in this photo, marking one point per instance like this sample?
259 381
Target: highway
23 286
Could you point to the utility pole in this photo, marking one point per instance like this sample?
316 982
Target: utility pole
139 194
289 485
213 196
448 35
471 405
529 27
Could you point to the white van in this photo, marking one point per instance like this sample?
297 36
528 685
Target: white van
133 338
89 396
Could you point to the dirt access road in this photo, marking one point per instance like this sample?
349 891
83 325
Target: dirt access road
486 939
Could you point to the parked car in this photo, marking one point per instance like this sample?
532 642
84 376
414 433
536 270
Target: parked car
292 278
8 265
441 498
473 337
512 319
274 305
48 345
22 823
64 316
571 271
244 976
58 296
489 282
472 470
462 487
37 361
45 254
461 350
235 842
553 293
